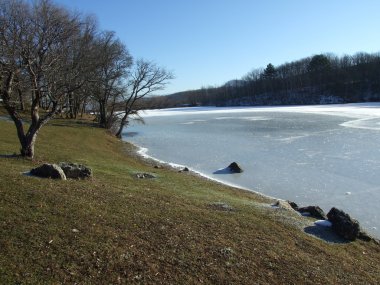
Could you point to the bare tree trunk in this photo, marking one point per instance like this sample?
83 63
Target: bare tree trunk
27 141
22 106
83 109
123 122
27 146
102 114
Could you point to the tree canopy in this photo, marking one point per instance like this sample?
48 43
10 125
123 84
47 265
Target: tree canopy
54 61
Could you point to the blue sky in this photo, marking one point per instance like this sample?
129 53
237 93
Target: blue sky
208 42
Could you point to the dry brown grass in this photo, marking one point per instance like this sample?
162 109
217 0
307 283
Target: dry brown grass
152 231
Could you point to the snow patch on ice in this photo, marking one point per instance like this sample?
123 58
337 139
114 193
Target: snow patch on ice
292 139
224 118
367 123
255 118
323 223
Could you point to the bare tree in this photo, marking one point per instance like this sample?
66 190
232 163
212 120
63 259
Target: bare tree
33 44
145 78
113 61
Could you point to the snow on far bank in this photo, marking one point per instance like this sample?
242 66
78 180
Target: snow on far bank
366 115
355 110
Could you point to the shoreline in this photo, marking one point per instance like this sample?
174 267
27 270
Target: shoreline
139 153
303 221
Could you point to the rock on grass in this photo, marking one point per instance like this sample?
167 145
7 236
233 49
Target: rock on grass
49 171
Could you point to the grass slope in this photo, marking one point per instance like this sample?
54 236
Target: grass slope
157 231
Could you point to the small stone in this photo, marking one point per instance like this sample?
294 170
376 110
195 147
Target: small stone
221 206
283 205
75 230
227 251
314 211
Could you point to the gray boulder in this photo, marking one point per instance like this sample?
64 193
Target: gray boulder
75 170
343 224
235 168
49 171
313 211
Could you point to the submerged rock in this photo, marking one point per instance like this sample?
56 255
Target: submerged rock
235 168
314 211
49 171
75 170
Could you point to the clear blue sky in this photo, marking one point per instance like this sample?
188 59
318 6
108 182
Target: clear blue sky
208 42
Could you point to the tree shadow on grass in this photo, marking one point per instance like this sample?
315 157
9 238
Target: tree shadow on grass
325 233
74 124
14 155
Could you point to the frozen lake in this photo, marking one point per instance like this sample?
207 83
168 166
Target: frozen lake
313 155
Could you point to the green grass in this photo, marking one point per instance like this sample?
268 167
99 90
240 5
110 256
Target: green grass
159 231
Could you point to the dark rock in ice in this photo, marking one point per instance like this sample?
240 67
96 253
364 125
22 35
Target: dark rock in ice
232 168
75 170
314 211
49 171
343 224
235 168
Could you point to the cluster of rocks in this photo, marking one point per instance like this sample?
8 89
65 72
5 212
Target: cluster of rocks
144 176
63 170
341 223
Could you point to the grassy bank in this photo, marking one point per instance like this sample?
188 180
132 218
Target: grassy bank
149 231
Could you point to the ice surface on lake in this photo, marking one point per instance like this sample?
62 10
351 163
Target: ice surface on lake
313 155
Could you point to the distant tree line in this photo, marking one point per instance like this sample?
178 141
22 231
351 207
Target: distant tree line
56 62
319 79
